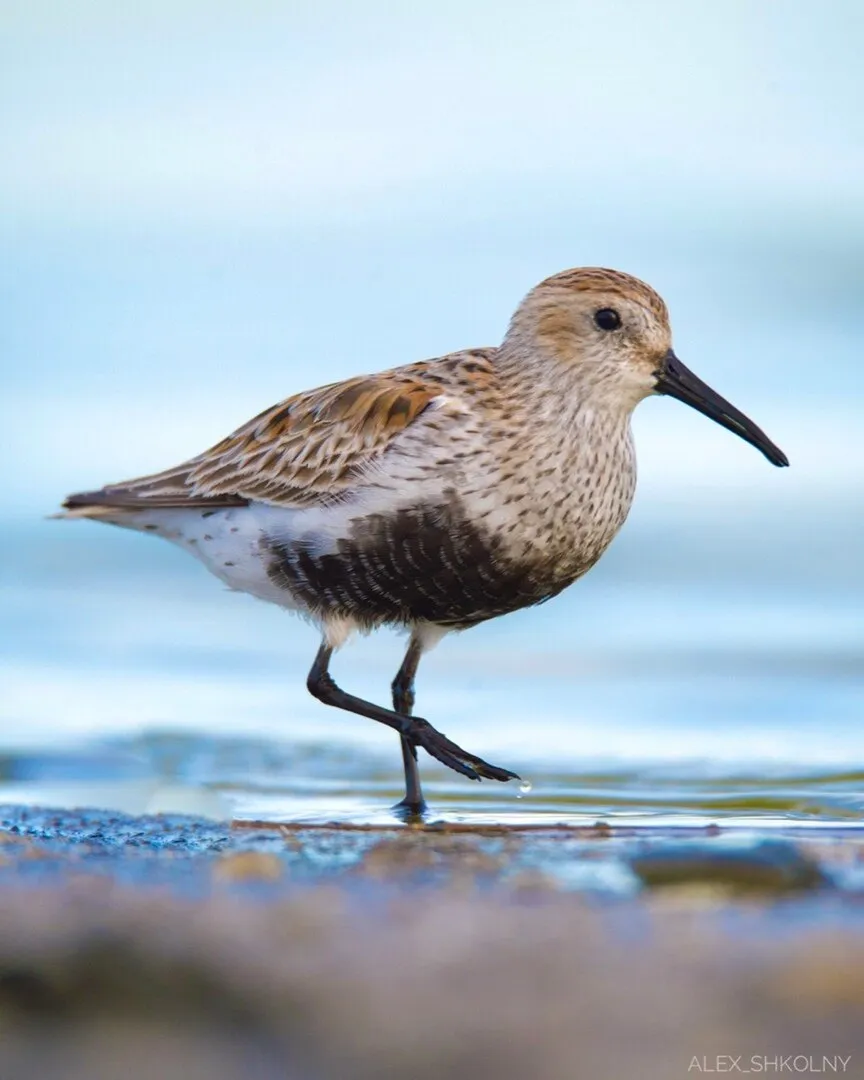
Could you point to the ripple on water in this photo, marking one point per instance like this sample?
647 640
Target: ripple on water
267 780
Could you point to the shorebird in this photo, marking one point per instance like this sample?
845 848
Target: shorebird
437 495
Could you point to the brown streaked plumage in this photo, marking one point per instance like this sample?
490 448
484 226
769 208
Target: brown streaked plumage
435 495
306 449
611 283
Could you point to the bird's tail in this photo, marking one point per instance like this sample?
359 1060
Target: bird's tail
117 502
105 505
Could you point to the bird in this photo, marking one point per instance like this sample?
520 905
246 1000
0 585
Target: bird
437 495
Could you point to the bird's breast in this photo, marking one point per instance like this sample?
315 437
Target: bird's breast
558 505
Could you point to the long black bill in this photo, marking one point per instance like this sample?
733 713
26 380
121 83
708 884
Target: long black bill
674 379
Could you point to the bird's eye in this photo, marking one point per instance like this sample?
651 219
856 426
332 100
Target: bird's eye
607 318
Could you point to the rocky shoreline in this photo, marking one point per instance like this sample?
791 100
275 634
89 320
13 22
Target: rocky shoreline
162 947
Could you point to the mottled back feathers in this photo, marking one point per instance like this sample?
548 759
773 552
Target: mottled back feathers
307 449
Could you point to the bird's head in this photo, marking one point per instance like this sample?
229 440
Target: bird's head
609 334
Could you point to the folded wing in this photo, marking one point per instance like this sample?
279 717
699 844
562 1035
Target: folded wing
311 448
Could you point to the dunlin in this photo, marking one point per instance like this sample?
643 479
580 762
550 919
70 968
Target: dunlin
437 495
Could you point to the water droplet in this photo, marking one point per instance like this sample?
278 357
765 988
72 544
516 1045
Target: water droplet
524 788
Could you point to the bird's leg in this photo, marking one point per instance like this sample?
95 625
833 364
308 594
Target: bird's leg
413 805
419 732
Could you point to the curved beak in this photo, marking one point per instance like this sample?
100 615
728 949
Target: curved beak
678 381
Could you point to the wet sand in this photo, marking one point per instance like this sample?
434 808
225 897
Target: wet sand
174 947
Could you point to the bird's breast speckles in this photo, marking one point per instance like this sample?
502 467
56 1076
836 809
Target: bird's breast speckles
558 501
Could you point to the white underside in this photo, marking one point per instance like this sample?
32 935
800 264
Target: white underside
229 543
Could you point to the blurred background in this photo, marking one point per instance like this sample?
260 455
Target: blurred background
207 207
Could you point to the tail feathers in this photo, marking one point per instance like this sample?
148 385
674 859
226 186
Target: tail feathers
84 499
92 512
111 501
92 504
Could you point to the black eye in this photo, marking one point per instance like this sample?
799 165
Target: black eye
607 318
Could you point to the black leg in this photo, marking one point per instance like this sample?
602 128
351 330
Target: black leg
413 804
419 732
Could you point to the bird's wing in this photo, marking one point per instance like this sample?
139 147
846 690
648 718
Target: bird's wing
308 449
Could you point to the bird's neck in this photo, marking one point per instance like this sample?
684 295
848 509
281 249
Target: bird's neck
577 401
565 471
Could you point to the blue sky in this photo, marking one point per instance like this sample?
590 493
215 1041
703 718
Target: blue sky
241 115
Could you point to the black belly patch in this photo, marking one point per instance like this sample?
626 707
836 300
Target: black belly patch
419 563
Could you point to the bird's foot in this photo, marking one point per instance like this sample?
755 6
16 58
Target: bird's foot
411 811
454 757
